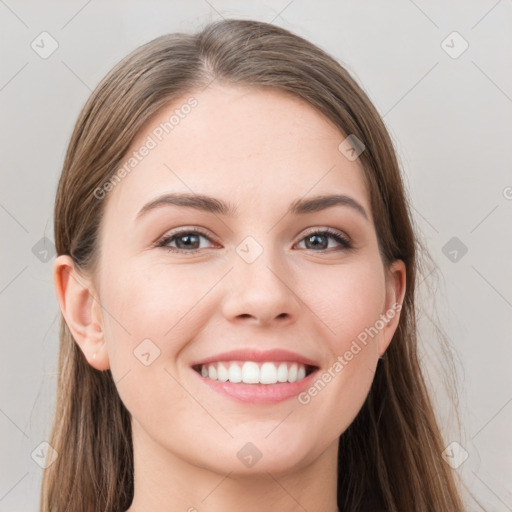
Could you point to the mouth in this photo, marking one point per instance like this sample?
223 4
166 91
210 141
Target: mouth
256 377
252 372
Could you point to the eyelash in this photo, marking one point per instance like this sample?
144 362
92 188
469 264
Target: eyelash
343 241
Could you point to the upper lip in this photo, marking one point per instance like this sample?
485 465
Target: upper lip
257 355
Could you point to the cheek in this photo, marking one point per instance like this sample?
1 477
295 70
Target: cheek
348 300
146 327
149 310
350 309
154 298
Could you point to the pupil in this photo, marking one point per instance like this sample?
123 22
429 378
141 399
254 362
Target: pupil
316 237
188 243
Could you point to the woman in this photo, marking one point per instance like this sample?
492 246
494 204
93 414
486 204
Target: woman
236 273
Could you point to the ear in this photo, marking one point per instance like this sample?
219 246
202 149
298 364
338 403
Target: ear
395 292
81 310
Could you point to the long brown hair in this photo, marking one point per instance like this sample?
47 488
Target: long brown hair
390 456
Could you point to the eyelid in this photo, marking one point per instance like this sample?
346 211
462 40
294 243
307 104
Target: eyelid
325 229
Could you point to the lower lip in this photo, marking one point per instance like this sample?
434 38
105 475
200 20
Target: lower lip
259 393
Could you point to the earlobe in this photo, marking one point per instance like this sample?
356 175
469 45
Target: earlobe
395 293
81 311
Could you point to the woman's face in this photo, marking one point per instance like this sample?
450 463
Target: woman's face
259 276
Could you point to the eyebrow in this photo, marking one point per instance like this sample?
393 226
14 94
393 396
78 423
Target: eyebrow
216 206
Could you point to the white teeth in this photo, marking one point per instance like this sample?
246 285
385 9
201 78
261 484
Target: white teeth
292 373
250 372
268 373
222 373
235 373
282 373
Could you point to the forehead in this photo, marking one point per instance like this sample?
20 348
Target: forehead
245 145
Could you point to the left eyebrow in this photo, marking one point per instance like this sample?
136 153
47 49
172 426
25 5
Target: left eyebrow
318 203
213 205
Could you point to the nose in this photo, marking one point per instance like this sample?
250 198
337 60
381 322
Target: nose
260 293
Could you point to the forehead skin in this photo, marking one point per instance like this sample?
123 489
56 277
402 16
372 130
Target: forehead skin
258 148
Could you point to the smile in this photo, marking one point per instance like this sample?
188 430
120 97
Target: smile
256 376
251 372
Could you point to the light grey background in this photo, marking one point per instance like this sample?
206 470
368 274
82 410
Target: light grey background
452 125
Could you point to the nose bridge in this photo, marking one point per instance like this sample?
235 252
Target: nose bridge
258 285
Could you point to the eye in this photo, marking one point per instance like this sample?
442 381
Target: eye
185 240
189 240
320 240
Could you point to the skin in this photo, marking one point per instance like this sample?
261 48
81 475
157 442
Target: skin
261 150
